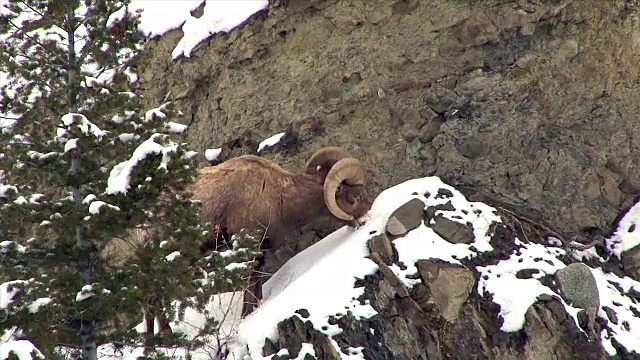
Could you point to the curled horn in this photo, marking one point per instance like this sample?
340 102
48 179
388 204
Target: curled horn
325 158
353 173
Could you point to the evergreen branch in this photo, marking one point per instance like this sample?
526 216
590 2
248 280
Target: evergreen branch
24 55
53 54
88 45
33 9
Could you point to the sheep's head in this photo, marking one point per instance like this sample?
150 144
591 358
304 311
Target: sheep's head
343 178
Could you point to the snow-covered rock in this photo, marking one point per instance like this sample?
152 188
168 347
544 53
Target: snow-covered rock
332 292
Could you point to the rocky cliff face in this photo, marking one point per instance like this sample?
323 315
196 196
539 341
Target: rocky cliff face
532 104
533 101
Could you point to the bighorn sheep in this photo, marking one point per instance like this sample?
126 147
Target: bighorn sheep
249 192
252 192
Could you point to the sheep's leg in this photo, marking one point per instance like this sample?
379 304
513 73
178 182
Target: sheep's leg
217 241
164 326
154 310
150 320
253 293
149 317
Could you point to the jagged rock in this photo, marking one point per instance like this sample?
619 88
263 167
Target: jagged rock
293 332
549 338
471 148
381 245
430 213
395 227
406 218
452 231
440 99
269 348
611 314
631 261
444 194
450 286
579 286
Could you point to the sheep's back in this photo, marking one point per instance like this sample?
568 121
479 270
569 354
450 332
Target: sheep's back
242 192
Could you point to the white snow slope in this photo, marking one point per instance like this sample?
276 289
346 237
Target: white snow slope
321 278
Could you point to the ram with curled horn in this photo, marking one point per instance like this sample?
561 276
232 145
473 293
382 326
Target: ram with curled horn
252 192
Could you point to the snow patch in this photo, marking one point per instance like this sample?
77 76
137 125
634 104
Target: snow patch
120 175
41 156
104 78
158 17
212 154
270 141
4 190
126 137
35 306
95 206
175 127
306 349
154 113
218 16
70 145
33 199
627 233
4 10
8 290
89 198
8 245
119 119
86 127
85 293
172 256
515 295
21 348
614 295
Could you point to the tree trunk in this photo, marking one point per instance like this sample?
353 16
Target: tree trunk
88 328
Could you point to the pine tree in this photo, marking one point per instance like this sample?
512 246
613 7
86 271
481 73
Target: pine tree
84 165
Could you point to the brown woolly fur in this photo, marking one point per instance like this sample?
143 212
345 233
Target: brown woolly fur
250 191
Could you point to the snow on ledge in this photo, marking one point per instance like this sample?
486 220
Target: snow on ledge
270 141
212 154
218 16
160 16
